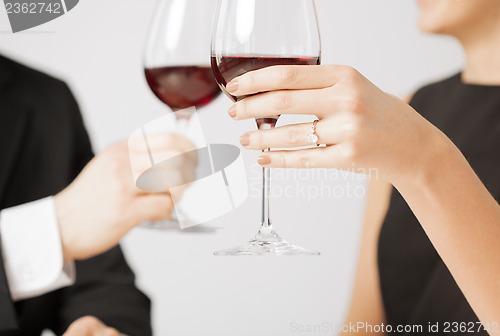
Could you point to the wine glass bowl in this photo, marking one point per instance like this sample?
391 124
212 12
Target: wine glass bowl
176 63
253 34
181 87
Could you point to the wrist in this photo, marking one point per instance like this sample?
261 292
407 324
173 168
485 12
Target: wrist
62 213
439 156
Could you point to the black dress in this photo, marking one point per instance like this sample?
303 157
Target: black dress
417 287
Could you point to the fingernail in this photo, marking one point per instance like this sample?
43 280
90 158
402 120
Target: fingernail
232 86
264 160
245 140
232 111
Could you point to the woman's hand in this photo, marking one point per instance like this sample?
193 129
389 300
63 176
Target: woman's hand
361 126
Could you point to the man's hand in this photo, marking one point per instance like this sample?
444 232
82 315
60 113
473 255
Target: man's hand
90 326
103 203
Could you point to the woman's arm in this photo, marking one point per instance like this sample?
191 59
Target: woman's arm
366 304
365 128
462 220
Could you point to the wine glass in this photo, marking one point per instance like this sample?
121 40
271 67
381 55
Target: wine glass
254 34
177 66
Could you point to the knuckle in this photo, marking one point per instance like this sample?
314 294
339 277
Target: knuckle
284 162
169 139
354 102
294 135
350 73
112 332
191 158
331 98
241 108
90 321
351 129
257 138
332 68
175 156
282 100
87 318
350 153
332 71
304 162
247 81
288 74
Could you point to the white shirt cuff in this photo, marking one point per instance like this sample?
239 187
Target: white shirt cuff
32 251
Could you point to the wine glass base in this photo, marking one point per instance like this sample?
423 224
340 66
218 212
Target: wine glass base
267 244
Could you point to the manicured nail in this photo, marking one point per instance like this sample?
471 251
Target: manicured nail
264 160
232 111
245 140
232 86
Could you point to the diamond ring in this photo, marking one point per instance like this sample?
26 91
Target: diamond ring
313 137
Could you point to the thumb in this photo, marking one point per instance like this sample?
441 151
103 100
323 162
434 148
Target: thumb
153 207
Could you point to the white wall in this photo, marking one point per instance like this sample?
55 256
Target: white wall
98 49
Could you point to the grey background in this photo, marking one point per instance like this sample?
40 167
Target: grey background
98 48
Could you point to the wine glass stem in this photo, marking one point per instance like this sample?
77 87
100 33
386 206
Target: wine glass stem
266 225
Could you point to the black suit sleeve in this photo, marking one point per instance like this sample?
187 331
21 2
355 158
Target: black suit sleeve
8 319
105 285
105 289
83 153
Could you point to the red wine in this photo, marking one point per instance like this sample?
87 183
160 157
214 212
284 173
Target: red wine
265 122
226 68
181 87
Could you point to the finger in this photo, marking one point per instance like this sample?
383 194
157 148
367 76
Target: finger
170 141
107 331
153 207
320 157
166 163
286 77
141 161
160 142
83 326
290 136
163 176
167 160
283 102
